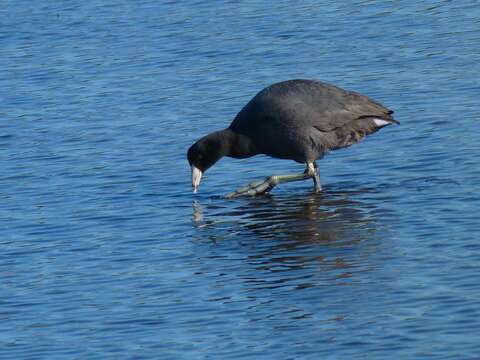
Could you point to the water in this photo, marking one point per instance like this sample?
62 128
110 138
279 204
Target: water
105 253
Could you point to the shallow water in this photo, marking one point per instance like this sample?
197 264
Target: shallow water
107 254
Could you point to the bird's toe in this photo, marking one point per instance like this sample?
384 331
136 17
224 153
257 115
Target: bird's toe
254 188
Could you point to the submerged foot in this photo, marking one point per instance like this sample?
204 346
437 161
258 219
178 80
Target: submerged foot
262 187
255 188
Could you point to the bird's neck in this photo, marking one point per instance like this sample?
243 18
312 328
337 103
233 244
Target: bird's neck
228 143
222 142
237 145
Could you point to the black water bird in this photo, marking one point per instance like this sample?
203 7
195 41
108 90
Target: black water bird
299 120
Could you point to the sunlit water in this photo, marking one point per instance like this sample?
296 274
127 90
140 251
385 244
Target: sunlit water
105 253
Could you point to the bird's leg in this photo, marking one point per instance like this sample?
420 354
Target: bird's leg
316 177
261 187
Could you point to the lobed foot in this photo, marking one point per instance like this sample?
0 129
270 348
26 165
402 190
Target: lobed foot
255 188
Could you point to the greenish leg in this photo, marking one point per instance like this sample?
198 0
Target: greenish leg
316 178
261 187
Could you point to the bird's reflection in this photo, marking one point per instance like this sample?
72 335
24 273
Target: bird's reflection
313 244
331 217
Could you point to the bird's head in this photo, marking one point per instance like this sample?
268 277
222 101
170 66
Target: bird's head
203 154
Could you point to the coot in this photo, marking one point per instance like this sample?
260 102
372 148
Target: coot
299 120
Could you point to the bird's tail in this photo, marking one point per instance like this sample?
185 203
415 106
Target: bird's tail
357 130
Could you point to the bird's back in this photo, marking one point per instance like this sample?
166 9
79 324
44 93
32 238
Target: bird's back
286 118
307 103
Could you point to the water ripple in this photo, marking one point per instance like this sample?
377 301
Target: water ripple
106 253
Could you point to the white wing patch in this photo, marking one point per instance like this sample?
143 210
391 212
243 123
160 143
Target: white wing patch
381 122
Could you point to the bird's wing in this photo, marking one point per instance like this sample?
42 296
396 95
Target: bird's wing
306 103
328 107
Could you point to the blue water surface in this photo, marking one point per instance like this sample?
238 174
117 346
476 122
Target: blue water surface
105 252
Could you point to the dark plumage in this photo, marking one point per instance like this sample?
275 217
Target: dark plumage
299 120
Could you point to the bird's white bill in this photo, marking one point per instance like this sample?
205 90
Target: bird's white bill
196 177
